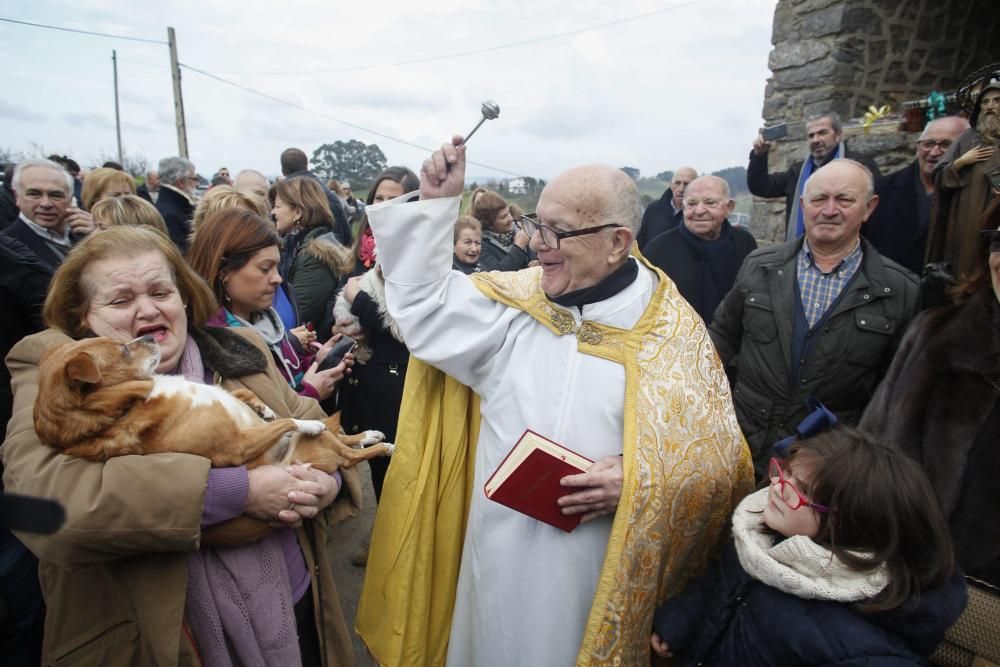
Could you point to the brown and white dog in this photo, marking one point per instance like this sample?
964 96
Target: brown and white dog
98 399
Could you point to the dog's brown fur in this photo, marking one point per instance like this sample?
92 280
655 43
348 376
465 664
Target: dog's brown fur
98 399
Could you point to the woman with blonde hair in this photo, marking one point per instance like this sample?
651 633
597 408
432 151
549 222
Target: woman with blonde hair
223 197
127 210
312 259
105 182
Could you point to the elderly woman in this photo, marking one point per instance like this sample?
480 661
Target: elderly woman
312 259
940 403
237 253
105 182
505 248
124 580
127 210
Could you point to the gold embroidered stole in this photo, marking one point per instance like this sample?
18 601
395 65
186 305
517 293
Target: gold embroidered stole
686 466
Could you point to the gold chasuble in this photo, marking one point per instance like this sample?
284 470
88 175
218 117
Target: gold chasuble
686 467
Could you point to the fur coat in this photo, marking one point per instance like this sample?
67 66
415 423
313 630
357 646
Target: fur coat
940 403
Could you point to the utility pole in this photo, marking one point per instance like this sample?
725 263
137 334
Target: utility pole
175 71
118 121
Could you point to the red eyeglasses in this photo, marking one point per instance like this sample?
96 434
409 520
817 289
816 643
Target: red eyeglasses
791 495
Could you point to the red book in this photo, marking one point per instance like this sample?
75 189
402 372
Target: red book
527 480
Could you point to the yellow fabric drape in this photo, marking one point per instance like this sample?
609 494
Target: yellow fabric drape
404 616
686 466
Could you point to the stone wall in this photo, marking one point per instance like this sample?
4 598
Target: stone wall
844 55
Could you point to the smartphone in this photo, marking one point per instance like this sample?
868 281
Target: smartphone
336 354
775 132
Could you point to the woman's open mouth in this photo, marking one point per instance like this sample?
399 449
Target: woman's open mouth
159 332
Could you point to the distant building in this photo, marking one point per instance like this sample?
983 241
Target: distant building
517 186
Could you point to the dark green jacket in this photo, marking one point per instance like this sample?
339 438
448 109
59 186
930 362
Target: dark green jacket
752 331
315 273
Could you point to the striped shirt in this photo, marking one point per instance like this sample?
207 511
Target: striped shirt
819 290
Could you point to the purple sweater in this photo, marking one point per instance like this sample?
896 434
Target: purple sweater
226 498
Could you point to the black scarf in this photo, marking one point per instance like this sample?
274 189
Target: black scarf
719 262
612 284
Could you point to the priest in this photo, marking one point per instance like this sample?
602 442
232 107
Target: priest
594 349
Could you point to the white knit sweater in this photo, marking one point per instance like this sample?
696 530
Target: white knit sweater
797 565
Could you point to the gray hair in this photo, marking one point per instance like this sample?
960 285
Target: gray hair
624 206
40 162
723 183
832 115
250 172
174 169
151 172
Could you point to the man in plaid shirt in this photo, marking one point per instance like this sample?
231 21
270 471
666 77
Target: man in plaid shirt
817 317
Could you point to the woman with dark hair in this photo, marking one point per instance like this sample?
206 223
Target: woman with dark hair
505 247
236 252
844 559
940 404
391 183
312 259
127 580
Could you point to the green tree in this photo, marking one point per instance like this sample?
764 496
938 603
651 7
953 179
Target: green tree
667 176
351 161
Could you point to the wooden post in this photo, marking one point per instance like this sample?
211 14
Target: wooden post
175 70
118 122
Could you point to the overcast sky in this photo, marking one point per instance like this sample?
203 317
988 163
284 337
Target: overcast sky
683 86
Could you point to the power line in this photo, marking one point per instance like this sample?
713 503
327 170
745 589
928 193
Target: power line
488 49
83 32
328 117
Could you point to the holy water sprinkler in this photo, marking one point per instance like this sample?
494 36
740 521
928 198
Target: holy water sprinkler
490 110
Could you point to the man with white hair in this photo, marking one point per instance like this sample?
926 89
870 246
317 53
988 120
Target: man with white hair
898 227
178 180
252 182
150 190
48 223
818 317
703 254
592 349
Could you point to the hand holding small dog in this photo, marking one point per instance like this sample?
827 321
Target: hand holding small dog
352 288
318 490
270 489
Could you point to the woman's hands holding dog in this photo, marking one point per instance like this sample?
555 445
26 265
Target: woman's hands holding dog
288 494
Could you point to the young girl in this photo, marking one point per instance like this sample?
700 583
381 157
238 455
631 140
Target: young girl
468 244
844 559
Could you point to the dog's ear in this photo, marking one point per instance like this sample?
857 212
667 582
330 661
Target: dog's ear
333 422
81 369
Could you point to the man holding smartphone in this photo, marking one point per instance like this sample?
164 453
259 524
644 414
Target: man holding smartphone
824 134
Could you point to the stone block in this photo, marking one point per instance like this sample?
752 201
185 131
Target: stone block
823 22
793 54
861 20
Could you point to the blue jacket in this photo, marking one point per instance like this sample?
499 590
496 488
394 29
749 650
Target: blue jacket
725 617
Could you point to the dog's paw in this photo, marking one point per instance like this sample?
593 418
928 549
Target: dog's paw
309 426
266 413
372 438
390 448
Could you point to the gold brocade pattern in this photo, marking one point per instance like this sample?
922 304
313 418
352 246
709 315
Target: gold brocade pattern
686 464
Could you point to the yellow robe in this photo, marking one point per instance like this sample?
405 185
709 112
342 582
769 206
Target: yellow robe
686 467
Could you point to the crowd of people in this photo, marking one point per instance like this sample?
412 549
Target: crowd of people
690 365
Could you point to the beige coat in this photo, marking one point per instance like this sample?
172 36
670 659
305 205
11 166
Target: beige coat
114 577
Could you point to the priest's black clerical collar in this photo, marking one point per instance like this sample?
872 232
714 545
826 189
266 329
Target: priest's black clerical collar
612 284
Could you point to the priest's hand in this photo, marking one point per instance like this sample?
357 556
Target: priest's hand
600 489
443 173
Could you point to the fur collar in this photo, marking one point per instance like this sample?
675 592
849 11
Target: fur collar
228 353
968 337
324 247
797 565
372 284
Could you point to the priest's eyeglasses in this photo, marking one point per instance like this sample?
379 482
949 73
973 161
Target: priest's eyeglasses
791 495
552 236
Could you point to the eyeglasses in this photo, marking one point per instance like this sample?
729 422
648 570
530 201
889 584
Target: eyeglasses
791 495
930 144
552 236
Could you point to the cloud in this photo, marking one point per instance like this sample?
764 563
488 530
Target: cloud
87 119
17 112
